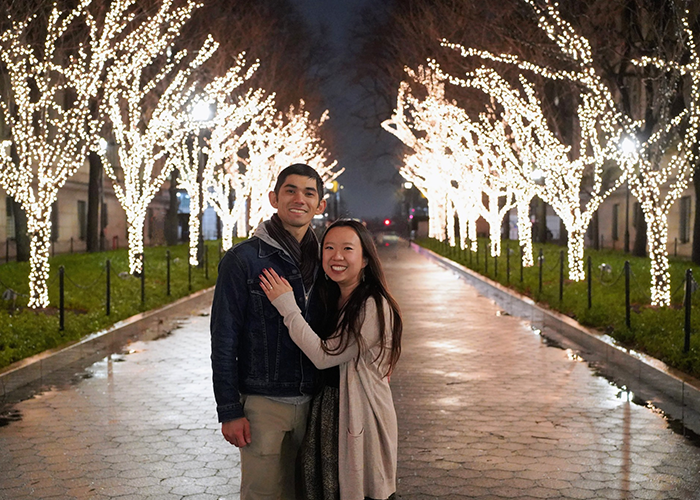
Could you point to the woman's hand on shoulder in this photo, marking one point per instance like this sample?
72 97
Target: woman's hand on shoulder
273 284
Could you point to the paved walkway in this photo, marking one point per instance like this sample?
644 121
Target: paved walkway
486 410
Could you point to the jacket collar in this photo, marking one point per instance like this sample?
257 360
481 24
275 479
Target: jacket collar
262 234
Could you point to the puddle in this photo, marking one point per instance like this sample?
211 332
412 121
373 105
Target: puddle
621 392
9 416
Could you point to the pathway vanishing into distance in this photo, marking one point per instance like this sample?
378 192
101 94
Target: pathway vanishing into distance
487 409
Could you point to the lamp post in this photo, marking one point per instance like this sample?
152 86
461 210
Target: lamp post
628 148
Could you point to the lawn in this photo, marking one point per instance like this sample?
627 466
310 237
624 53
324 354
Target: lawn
656 331
25 332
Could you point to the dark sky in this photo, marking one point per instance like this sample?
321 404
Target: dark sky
370 180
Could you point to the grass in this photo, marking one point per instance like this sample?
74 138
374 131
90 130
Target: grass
25 332
658 332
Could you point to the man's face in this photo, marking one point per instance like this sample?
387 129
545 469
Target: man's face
297 201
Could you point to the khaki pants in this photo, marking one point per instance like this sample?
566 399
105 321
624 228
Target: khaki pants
268 462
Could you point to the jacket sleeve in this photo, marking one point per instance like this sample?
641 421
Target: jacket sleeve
227 320
311 344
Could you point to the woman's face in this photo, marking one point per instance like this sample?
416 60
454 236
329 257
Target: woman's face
342 256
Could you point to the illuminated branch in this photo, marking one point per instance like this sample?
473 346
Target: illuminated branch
566 171
274 141
48 113
222 182
190 155
147 142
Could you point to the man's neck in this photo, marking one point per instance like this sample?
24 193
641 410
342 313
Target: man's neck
297 232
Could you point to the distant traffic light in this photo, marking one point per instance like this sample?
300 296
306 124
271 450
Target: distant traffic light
387 222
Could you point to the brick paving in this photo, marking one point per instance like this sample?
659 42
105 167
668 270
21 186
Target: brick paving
487 409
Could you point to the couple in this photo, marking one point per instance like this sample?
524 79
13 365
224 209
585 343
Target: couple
302 353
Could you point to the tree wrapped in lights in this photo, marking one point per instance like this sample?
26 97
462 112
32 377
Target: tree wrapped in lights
273 141
565 169
426 127
191 158
222 182
661 167
48 112
147 141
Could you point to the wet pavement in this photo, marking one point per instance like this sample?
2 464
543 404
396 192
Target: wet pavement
487 409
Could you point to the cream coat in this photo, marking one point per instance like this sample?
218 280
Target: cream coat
368 440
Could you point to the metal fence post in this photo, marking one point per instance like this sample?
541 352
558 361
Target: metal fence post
628 319
108 299
61 301
688 298
167 271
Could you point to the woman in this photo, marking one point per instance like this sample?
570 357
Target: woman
365 344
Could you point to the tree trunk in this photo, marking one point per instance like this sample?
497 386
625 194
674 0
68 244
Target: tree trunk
525 231
660 279
40 243
640 238
696 225
542 222
94 203
171 221
21 234
576 272
135 236
595 231
194 227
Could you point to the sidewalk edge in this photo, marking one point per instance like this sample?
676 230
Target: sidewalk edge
143 326
675 393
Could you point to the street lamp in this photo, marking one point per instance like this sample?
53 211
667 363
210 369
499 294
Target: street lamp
628 148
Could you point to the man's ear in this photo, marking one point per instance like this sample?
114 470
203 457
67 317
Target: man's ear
321 207
273 199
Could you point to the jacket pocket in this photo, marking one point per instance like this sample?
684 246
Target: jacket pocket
355 454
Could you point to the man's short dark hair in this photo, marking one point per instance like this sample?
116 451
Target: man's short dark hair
300 169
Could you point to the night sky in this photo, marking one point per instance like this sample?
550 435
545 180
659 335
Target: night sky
370 179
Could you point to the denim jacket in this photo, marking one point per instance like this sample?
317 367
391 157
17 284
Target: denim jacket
251 351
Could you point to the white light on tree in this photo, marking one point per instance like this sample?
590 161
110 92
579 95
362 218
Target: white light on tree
423 125
661 167
48 113
565 168
213 111
273 141
145 111
222 181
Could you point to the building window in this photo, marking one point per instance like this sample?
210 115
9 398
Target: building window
9 218
684 227
82 219
615 219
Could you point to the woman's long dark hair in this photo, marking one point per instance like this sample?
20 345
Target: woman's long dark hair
347 321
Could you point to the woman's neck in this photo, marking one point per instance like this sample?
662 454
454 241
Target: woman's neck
345 293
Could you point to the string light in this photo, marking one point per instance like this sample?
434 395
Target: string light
51 149
273 141
190 156
222 182
148 144
564 169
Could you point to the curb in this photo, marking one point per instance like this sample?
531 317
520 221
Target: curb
37 370
659 386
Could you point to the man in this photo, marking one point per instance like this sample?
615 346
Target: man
262 381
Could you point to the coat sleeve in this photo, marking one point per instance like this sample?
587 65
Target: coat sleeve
227 320
312 345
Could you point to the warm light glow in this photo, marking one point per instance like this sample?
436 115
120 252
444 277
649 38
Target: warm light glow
147 144
51 149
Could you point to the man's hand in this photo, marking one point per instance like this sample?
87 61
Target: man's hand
237 432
